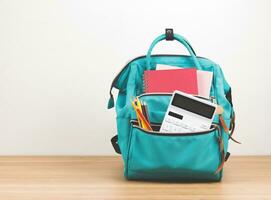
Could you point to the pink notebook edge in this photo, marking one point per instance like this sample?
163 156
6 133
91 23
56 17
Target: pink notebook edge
192 71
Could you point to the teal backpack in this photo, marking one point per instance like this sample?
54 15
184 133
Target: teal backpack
150 155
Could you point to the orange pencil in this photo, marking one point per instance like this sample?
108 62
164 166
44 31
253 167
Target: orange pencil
141 117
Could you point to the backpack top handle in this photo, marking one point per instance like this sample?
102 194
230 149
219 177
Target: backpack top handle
169 36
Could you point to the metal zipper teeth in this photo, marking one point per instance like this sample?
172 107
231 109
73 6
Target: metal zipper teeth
139 57
175 134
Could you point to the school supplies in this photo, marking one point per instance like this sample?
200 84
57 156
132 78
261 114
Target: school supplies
145 111
143 122
204 79
187 113
204 83
184 80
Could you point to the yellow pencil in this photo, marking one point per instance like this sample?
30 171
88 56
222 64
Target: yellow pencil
139 106
141 118
135 107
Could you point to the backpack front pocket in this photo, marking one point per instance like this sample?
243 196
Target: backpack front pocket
173 156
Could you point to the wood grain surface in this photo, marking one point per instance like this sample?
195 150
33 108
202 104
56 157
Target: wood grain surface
101 177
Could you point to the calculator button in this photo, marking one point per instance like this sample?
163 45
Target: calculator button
204 126
185 126
176 123
180 130
175 129
165 127
191 129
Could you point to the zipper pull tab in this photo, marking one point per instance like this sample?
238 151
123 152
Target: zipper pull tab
223 123
222 155
226 129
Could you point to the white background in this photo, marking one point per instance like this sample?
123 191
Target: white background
58 58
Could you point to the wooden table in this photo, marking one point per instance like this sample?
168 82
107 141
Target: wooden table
96 177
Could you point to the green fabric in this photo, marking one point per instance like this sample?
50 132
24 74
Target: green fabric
149 156
172 157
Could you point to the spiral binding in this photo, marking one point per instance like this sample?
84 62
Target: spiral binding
145 85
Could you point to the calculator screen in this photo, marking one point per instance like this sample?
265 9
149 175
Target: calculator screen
193 106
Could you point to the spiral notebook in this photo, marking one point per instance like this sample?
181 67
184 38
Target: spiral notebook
204 79
184 80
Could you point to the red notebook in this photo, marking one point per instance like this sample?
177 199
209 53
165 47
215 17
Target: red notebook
184 80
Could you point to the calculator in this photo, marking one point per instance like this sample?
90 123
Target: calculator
187 113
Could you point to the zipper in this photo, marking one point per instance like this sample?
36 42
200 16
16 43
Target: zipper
139 57
211 99
155 94
215 127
